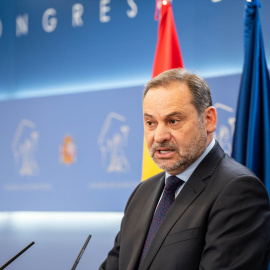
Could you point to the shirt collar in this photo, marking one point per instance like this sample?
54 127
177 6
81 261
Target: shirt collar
188 171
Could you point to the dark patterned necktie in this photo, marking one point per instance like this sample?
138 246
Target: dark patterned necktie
164 205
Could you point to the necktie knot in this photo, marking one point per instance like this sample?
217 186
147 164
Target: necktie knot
172 183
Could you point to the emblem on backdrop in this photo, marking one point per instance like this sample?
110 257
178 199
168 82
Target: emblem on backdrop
112 142
225 128
24 146
68 150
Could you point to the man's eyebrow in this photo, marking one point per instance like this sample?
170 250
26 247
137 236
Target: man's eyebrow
147 115
167 116
174 114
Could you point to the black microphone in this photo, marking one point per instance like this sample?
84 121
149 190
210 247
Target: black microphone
16 256
81 252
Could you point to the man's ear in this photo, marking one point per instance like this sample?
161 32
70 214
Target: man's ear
210 119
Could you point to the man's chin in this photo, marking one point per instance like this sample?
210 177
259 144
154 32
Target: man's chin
172 168
167 167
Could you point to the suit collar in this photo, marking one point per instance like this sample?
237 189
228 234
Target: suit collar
209 164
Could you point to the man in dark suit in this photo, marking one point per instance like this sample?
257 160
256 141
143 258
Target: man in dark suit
219 216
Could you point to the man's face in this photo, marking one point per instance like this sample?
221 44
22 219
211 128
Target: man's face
175 135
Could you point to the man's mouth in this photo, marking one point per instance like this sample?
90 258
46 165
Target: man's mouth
165 151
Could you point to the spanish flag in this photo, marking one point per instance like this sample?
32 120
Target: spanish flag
168 56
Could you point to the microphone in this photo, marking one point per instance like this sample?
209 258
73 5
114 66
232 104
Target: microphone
16 256
81 252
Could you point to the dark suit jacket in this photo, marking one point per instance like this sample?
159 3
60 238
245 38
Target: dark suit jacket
220 220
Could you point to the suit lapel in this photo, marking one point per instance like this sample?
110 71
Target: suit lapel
189 193
144 221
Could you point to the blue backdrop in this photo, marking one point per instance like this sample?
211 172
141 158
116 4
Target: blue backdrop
72 152
49 47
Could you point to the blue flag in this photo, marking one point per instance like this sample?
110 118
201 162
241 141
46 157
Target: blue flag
251 144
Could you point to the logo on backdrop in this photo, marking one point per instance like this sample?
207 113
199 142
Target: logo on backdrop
68 150
225 129
24 147
112 141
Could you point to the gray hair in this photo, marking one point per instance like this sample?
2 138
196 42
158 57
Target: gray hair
198 87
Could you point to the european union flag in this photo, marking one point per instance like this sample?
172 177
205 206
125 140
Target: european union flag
251 145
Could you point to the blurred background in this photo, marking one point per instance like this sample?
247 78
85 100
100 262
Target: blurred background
71 81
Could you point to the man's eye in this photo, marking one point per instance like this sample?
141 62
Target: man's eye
149 123
173 121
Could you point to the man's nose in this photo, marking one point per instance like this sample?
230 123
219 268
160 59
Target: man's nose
162 134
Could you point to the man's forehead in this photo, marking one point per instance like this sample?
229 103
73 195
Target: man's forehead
171 91
173 86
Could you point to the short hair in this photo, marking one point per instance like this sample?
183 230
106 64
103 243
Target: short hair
198 87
